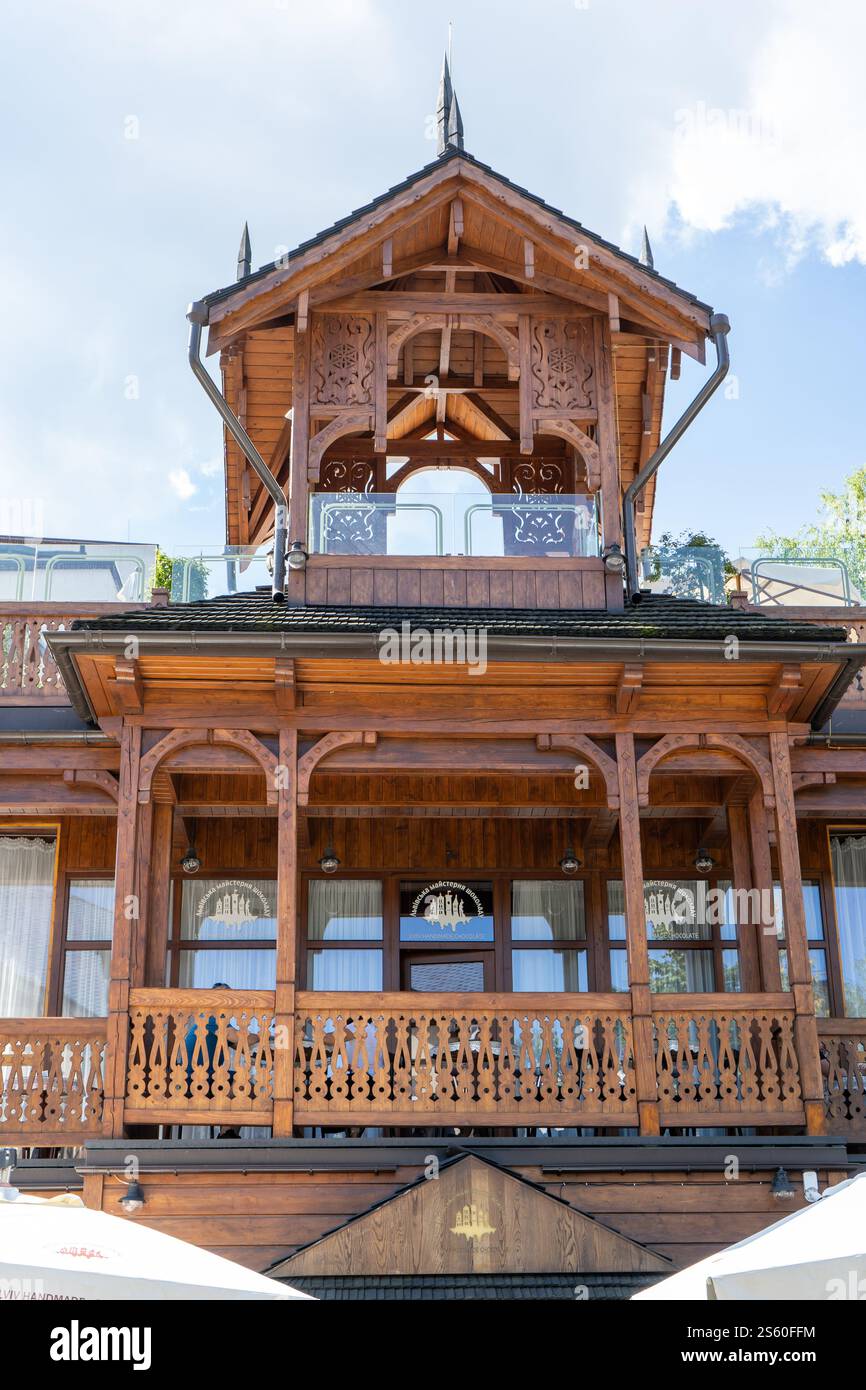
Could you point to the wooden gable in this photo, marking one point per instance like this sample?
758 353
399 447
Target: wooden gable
474 1218
438 277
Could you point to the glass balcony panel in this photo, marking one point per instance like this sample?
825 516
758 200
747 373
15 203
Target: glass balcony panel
69 571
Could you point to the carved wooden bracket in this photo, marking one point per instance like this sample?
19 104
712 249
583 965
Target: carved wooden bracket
399 337
800 780
187 738
586 748
734 743
586 447
347 422
93 777
326 745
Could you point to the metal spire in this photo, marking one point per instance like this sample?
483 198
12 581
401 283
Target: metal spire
443 106
455 124
646 252
245 254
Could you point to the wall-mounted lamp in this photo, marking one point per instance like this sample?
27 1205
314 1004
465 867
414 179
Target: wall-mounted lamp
782 1188
811 1190
133 1199
614 560
190 862
569 863
704 861
297 556
329 862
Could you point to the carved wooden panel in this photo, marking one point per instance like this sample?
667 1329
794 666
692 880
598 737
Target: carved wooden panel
347 475
343 360
562 365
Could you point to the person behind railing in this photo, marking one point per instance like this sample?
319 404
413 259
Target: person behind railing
230 1039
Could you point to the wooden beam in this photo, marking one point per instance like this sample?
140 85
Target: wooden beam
127 687
455 226
525 393
387 258
285 692
613 312
628 688
302 313
492 416
528 259
784 693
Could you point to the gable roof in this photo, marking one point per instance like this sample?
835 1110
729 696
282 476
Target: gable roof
459 163
474 1217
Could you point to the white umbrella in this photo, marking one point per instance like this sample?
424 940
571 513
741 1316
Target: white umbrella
815 1254
59 1249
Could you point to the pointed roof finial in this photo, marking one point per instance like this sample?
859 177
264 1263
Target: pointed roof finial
455 124
245 254
443 106
646 252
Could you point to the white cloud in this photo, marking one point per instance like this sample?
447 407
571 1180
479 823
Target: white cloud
182 483
788 153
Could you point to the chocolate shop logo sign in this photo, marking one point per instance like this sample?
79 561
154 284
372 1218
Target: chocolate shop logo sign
444 904
670 907
234 903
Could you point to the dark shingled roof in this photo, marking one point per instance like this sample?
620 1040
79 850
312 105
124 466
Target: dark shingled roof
412 1288
216 295
655 617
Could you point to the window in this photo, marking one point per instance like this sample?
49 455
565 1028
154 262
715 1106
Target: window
817 944
446 911
26 907
225 934
696 918
848 856
342 911
548 919
87 947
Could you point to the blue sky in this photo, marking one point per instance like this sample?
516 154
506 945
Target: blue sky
141 134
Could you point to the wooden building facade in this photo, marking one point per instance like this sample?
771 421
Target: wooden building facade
456 850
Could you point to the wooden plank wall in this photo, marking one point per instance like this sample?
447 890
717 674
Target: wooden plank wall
257 1218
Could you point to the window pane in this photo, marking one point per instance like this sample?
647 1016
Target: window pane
237 969
619 971
849 879
26 899
820 979
91 909
553 972
728 913
85 984
731 971
228 909
356 970
547 910
811 905
345 909
615 910
681 972
446 911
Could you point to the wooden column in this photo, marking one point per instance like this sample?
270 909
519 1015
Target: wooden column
747 932
762 879
133 831
299 487
159 895
611 515
799 970
287 934
638 955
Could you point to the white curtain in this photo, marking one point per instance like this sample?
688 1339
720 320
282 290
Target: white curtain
547 910
549 972
85 984
357 970
235 910
849 877
26 898
345 909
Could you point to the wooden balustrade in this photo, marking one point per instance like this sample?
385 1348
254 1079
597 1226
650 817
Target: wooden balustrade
28 671
724 1059
51 1079
407 1059
199 1053
843 1064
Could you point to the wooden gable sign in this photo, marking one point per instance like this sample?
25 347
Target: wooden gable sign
474 1218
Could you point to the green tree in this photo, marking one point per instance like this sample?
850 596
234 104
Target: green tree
840 534
693 564
169 573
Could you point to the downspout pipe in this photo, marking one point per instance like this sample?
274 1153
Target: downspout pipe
720 327
197 315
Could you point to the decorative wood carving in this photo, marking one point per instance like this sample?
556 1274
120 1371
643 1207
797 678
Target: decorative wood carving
538 475
343 360
672 743
347 475
586 748
321 750
562 365
348 422
401 335
492 328
586 447
92 777
185 738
